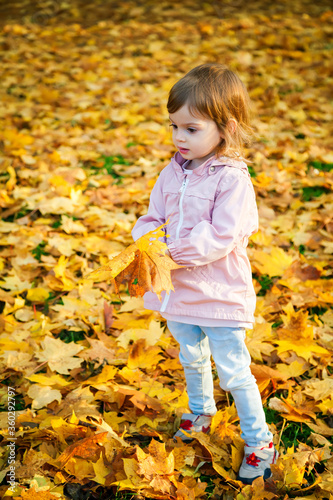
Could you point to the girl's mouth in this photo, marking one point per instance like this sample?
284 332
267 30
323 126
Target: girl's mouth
183 150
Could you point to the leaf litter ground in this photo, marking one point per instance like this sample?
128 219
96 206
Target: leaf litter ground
94 378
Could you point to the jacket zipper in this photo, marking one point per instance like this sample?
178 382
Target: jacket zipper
180 223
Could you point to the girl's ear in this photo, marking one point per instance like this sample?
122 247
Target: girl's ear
232 125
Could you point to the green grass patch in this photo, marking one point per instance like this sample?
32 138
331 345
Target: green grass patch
323 167
17 215
293 432
110 124
110 161
19 399
55 299
272 416
38 251
310 192
302 249
318 310
266 282
251 171
4 176
68 336
108 166
204 478
56 224
277 323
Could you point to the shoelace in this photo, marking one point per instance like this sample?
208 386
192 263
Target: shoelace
186 425
253 460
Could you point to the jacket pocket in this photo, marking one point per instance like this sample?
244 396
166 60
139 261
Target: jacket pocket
227 275
203 275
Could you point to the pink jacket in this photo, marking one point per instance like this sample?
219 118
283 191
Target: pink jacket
212 212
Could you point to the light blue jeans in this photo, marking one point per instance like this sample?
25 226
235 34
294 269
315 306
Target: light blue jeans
232 361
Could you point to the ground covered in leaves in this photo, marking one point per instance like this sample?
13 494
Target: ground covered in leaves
93 378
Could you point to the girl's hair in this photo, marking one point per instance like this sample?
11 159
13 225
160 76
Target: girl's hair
214 91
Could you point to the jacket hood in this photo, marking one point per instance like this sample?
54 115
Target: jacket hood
178 162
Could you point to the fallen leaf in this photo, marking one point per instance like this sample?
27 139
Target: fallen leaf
42 395
59 355
143 265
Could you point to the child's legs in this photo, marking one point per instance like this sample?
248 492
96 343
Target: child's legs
232 360
195 359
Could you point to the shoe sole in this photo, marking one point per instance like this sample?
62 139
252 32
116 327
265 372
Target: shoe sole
247 480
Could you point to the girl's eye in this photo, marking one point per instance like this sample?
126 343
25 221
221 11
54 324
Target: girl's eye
190 129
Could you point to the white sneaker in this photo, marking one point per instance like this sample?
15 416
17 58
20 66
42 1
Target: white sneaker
193 423
257 462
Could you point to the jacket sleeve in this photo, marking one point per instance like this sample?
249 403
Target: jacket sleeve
155 215
234 218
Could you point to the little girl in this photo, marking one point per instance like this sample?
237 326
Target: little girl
207 194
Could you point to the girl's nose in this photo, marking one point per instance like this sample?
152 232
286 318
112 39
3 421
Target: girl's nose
179 135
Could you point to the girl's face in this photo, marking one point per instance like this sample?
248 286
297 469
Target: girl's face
196 138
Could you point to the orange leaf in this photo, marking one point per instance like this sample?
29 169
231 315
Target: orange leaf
32 494
143 265
85 448
158 462
290 410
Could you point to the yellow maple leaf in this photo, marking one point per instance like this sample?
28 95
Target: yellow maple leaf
62 428
273 263
141 356
293 409
42 395
37 294
105 376
113 420
101 470
42 379
295 369
257 491
257 340
143 265
59 355
62 275
288 470
326 406
237 452
297 335
184 456
222 421
151 335
298 346
133 481
158 461
318 389
80 468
